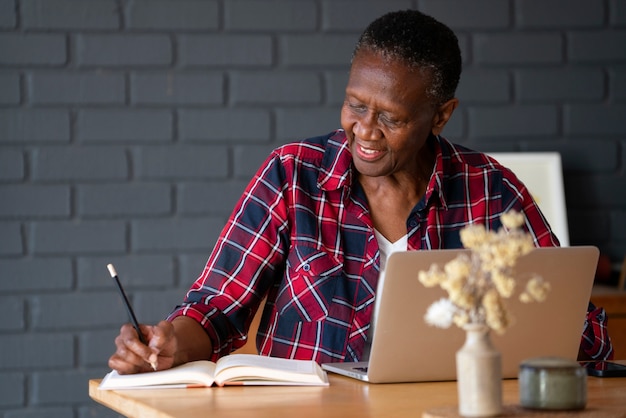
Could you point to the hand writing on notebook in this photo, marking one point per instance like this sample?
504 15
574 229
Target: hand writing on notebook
173 342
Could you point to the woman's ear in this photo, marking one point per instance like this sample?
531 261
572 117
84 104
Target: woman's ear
443 114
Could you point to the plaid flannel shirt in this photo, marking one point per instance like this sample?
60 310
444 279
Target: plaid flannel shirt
302 236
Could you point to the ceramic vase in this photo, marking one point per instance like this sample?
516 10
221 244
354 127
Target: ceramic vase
479 374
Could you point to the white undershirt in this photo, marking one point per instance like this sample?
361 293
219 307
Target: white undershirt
385 248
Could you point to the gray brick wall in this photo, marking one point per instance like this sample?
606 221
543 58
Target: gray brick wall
128 129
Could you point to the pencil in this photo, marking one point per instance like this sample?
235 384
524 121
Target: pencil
129 308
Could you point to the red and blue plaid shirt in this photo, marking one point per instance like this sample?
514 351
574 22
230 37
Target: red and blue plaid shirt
302 236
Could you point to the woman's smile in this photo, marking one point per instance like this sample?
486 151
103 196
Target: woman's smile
368 154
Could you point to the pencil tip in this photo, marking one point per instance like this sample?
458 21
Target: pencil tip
112 270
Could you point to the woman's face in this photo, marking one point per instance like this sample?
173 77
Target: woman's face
387 115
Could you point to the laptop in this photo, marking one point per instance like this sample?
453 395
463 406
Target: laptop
406 349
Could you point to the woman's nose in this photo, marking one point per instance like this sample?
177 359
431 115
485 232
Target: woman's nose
366 126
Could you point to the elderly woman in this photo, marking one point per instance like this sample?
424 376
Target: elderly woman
314 227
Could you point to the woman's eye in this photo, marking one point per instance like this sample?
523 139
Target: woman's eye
388 121
357 107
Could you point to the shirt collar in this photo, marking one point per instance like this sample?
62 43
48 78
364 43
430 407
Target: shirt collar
443 165
336 168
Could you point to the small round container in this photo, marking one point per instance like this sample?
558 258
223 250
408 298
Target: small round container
552 383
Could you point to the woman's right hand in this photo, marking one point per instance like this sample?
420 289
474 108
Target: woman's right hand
132 356
169 344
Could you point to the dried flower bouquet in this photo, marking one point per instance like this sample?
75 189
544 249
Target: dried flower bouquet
477 283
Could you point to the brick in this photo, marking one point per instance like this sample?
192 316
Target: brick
145 125
317 50
594 119
618 225
123 200
222 125
79 163
182 14
455 128
225 50
513 121
249 158
178 234
12 312
293 124
199 198
123 50
155 306
11 242
617 84
9 89
560 85
335 87
33 351
136 271
32 49
181 89
63 387
34 125
464 15
25 201
70 14
254 15
617 12
8 13
600 191
78 310
623 147
484 86
490 145
182 162
275 88
335 11
12 390
82 237
93 409
550 14
95 347
11 164
576 155
77 88
604 46
518 48
191 266
579 231
43 412
36 274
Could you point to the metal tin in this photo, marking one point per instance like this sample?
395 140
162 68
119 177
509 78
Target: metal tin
552 383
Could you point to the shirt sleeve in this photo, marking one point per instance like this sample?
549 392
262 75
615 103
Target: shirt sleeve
595 342
244 263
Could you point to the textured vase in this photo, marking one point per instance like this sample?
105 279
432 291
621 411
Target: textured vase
479 374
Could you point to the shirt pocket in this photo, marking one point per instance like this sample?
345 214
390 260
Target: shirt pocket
309 285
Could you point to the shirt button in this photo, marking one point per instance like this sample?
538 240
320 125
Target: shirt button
413 224
306 267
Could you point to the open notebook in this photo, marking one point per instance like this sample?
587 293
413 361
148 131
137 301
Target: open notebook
406 349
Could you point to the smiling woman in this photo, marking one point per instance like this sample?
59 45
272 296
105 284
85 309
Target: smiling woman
313 228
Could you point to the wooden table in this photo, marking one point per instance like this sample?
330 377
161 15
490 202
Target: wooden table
343 398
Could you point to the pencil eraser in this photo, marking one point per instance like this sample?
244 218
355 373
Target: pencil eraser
112 270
